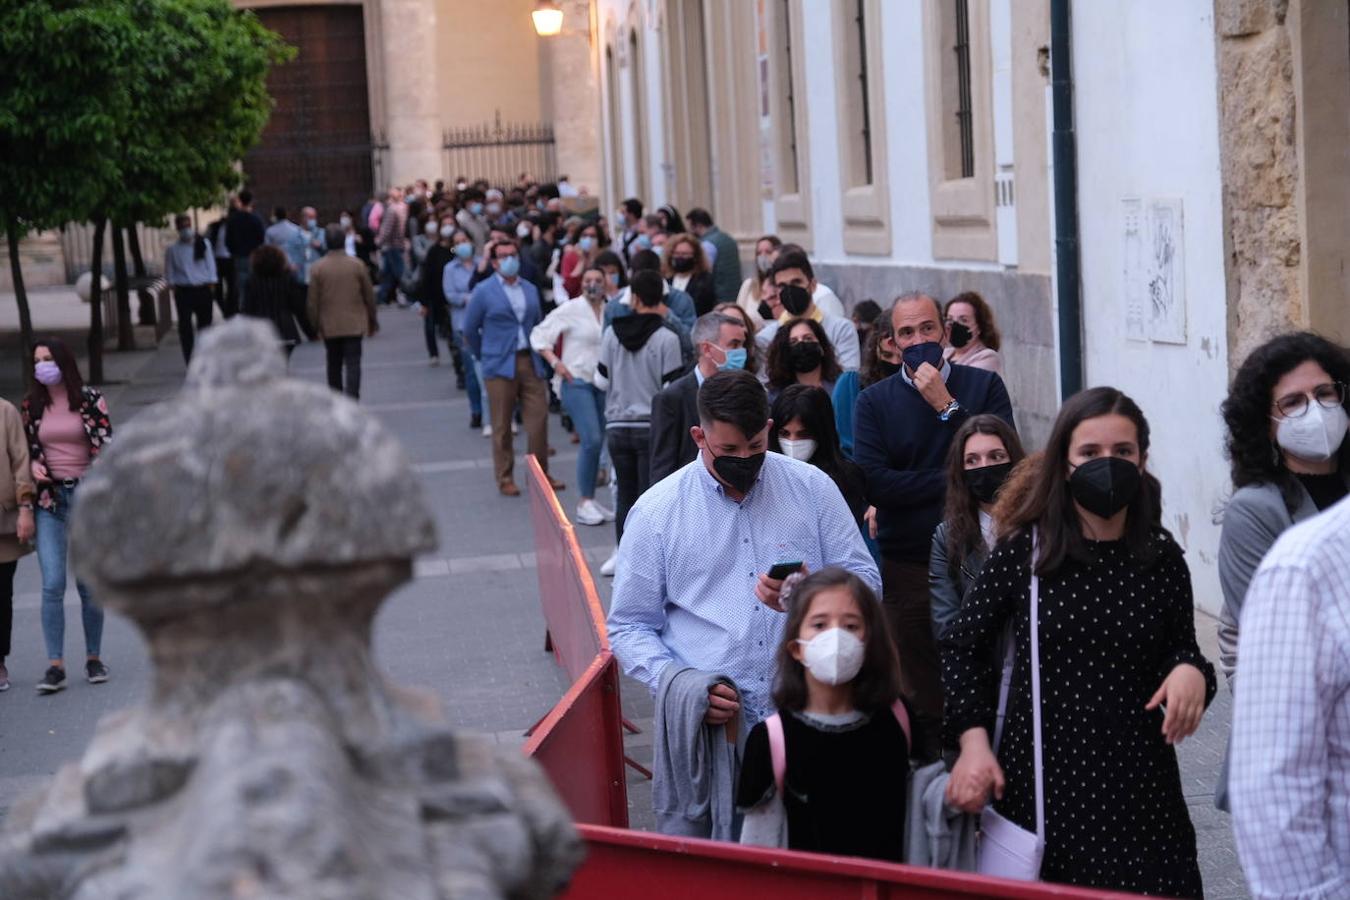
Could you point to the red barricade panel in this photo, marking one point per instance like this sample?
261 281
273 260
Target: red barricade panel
654 867
580 746
571 606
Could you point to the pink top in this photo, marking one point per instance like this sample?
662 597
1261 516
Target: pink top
64 442
977 356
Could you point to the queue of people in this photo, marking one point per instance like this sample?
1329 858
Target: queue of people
836 563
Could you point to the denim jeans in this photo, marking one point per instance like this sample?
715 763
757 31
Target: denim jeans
585 403
51 553
631 451
391 273
473 379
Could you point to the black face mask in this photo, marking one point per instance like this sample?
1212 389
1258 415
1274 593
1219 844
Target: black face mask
681 263
887 369
984 482
959 335
1106 485
795 299
739 472
804 356
765 311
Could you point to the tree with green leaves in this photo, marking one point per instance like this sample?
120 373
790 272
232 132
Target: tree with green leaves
181 96
59 103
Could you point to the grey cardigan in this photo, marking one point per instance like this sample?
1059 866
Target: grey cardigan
948 591
1253 520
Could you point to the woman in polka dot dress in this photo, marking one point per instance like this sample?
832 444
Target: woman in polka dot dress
1122 679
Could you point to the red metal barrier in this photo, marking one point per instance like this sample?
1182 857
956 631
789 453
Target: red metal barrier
580 742
580 745
654 867
572 612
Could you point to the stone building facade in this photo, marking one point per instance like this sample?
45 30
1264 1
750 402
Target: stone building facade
908 146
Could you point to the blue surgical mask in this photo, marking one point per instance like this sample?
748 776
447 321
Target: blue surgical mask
613 279
644 242
587 243
464 250
735 358
185 234
476 208
509 266
916 355
311 224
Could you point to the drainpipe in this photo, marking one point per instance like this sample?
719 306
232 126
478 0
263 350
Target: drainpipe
1069 297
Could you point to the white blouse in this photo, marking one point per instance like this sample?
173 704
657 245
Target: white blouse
579 327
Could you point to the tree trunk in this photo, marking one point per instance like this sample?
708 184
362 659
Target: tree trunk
96 306
20 295
146 315
126 333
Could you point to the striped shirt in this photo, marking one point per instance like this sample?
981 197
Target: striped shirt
1290 779
684 590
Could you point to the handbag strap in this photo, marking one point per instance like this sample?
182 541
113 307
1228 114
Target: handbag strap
1036 746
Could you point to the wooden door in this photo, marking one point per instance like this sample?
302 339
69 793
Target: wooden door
316 148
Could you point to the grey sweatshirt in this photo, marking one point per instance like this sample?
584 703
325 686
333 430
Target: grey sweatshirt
694 767
638 357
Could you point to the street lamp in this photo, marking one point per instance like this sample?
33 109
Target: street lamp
548 18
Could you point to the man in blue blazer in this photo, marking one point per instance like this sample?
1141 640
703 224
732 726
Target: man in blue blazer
502 311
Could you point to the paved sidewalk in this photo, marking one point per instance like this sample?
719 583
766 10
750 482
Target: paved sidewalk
468 626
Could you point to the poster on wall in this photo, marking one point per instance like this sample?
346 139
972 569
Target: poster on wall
1154 287
1166 284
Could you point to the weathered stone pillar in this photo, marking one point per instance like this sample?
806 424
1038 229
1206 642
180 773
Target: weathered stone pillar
251 528
412 109
572 96
1284 118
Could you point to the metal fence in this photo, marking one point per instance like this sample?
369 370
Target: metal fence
501 152
77 245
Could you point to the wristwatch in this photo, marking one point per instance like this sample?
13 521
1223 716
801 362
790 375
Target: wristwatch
949 410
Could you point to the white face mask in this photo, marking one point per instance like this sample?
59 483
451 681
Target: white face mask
1316 435
345 221
802 450
447 230
523 230
833 657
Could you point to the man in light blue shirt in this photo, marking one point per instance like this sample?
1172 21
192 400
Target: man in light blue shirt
291 239
692 588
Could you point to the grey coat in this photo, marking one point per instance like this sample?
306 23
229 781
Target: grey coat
1253 520
695 766
948 591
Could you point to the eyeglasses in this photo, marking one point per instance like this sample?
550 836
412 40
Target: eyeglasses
1328 396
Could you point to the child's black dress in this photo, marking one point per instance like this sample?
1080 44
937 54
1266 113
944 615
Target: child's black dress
844 792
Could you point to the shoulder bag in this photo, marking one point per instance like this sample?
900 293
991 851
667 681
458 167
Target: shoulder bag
1006 849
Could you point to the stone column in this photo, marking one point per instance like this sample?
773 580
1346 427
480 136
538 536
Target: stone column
572 96
1283 113
411 97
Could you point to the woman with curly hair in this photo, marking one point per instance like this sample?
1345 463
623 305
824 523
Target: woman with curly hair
1286 419
801 353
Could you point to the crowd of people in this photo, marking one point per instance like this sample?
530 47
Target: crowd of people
873 624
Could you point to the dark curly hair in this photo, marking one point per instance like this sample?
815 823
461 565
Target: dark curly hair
1253 455
984 318
781 373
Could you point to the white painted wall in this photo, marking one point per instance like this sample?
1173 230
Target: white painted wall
1147 124
906 135
822 176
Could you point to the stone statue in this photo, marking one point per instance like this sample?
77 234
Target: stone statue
251 527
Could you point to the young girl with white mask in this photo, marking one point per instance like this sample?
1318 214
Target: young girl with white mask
837 782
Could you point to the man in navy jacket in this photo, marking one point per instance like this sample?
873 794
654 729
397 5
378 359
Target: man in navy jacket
903 431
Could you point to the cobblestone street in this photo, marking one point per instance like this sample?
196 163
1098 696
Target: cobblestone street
468 627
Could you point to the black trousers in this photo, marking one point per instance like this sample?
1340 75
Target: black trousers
907 606
630 449
227 288
344 353
7 571
189 301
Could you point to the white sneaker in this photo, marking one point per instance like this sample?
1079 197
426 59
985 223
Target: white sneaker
487 431
605 512
434 361
608 566
588 514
